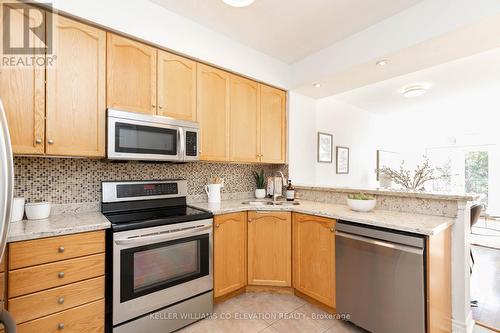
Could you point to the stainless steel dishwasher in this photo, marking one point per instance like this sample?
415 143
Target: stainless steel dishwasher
380 278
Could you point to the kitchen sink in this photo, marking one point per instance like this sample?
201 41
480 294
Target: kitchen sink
286 203
270 203
258 203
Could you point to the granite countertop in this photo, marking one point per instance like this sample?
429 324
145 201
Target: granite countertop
415 223
394 192
56 225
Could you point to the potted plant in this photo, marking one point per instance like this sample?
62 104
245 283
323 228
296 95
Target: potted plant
260 180
361 202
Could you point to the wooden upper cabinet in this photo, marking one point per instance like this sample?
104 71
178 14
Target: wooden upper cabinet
213 113
314 257
131 68
22 91
76 107
176 86
270 248
272 125
230 253
244 120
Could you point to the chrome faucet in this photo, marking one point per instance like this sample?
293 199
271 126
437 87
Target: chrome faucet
278 185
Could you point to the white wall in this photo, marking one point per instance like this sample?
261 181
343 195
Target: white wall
353 128
148 21
350 127
302 139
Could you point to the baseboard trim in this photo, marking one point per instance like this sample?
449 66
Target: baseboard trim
463 327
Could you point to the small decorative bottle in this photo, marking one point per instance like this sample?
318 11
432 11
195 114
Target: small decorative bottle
290 191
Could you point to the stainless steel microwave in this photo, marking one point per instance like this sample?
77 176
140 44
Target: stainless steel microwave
136 136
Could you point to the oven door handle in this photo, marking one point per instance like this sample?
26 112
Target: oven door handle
161 237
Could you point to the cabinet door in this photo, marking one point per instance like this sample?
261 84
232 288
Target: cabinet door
314 257
213 113
131 75
270 248
76 107
22 91
230 253
272 125
176 86
244 120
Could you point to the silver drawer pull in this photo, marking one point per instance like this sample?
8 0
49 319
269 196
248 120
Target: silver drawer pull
61 249
60 300
60 275
60 326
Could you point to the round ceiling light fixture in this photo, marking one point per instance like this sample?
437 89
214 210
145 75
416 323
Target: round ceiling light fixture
238 3
317 85
414 90
382 62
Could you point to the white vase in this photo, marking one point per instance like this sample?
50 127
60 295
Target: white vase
260 193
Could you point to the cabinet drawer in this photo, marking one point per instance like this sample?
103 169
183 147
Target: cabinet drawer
45 250
54 300
32 279
87 318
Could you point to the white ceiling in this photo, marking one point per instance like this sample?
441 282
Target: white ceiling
474 78
288 30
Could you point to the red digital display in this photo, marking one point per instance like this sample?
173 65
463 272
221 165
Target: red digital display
149 187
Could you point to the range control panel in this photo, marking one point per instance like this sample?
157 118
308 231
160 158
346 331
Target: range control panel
146 189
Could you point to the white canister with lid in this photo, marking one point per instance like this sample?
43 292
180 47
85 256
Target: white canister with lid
17 210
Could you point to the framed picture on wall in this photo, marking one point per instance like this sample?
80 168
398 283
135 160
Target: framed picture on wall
342 160
325 148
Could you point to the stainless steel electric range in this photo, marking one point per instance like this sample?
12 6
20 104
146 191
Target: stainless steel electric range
159 265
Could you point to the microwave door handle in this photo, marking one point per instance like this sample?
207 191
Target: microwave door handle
160 237
181 147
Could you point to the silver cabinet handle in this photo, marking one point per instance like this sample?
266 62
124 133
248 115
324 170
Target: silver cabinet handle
60 275
153 105
60 326
60 300
61 249
376 242
50 142
38 141
162 237
161 107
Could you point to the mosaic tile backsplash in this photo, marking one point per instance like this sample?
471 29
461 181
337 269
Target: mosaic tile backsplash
65 181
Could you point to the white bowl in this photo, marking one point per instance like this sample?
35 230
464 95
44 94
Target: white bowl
361 205
37 210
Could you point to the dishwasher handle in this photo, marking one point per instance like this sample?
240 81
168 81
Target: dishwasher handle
395 246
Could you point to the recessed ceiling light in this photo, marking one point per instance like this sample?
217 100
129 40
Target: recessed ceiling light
317 85
414 90
238 3
382 62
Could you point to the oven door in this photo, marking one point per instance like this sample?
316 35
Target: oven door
139 140
157 267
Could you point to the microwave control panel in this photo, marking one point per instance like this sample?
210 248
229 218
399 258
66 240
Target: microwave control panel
191 143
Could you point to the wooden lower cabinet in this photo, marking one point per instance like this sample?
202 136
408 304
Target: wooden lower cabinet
439 282
230 253
270 248
65 295
88 318
314 257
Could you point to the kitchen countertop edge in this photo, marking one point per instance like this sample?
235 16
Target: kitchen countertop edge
57 225
378 218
